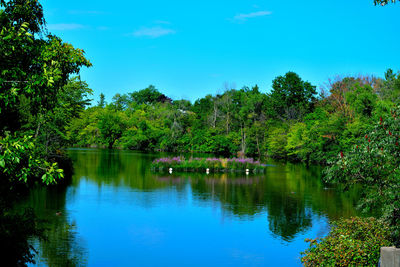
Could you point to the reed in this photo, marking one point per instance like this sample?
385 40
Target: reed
180 164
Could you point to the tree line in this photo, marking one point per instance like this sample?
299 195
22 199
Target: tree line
290 122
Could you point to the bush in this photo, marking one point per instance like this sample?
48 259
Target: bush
351 242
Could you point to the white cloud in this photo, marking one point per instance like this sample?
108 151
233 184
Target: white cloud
152 32
243 17
65 26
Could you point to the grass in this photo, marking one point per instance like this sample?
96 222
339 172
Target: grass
180 164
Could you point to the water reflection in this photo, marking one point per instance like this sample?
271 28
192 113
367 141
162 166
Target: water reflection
290 193
119 187
63 245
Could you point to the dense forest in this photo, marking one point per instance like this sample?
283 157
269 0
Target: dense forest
291 121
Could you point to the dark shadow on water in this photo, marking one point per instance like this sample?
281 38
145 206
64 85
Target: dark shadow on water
61 244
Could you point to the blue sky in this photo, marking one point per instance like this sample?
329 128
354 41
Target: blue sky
188 49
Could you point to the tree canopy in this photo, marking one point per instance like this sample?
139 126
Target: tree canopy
291 96
37 96
383 2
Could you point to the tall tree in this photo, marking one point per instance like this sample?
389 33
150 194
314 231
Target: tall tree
149 95
291 97
102 102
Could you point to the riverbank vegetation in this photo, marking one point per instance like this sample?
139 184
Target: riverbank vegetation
372 163
351 242
208 164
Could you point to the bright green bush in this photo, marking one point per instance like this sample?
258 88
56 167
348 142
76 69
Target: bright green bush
351 242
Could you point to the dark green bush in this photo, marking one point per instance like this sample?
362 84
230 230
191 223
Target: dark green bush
351 242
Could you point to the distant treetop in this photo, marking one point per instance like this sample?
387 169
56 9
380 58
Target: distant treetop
149 95
384 2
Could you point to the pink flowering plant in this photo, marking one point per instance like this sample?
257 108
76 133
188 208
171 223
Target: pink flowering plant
212 164
243 163
166 162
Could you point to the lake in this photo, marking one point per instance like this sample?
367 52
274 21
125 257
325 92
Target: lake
117 212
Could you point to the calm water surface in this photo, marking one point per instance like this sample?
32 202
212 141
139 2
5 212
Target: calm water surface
116 212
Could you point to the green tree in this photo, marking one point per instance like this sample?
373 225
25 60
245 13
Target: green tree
149 95
120 102
34 73
277 141
291 97
102 102
383 2
37 100
388 89
111 125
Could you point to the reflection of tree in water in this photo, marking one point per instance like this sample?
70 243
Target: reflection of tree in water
288 215
103 166
294 193
115 168
290 194
238 195
16 227
62 246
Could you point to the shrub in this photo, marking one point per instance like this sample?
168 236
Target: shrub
351 242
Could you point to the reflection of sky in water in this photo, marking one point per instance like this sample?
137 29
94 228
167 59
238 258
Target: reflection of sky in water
122 226
125 215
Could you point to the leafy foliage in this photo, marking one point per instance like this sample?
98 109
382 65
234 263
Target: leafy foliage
18 161
38 98
291 97
383 2
374 163
149 95
351 242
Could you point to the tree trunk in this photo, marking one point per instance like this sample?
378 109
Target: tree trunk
243 143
